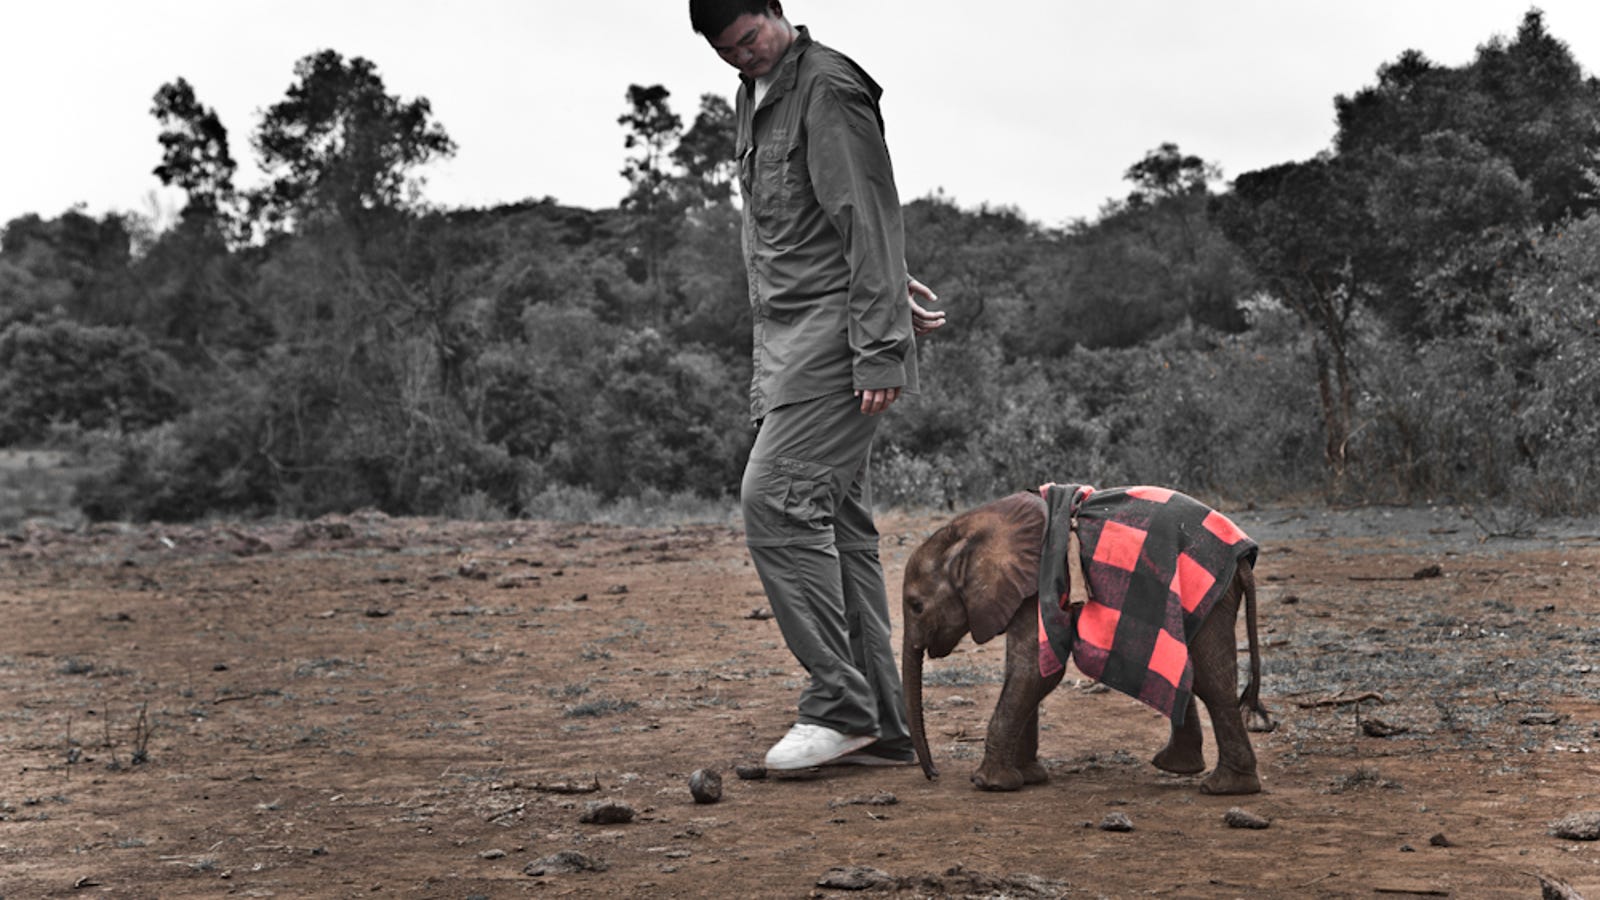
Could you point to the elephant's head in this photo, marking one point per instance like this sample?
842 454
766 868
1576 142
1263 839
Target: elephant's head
969 577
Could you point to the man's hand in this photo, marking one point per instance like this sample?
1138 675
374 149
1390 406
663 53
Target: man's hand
876 400
923 320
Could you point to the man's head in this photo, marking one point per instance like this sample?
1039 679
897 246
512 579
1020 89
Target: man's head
750 35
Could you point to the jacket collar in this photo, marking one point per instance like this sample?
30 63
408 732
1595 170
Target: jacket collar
787 73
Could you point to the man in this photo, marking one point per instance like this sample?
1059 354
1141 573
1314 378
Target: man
834 320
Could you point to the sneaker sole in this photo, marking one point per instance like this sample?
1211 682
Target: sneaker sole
867 759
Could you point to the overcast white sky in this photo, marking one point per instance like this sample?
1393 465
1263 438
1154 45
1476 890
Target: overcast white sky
1037 104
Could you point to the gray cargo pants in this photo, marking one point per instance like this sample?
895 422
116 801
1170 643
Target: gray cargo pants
807 501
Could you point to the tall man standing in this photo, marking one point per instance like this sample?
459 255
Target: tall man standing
834 315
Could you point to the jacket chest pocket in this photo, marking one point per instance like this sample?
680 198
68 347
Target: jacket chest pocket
778 181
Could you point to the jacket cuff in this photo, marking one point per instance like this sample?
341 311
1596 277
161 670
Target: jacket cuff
878 374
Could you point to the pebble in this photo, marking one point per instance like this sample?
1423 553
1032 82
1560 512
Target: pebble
1116 821
881 798
1239 818
1583 826
565 862
606 812
705 785
856 878
1378 728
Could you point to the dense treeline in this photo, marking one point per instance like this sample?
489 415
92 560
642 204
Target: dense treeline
1412 315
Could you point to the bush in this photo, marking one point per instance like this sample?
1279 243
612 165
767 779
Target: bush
658 417
1211 415
59 371
1207 414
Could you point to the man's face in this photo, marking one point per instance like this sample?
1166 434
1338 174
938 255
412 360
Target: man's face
754 43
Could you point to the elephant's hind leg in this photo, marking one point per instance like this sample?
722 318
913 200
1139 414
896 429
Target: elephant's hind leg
1183 754
1232 775
1236 761
1216 682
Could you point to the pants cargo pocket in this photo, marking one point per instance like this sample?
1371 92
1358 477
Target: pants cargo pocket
787 501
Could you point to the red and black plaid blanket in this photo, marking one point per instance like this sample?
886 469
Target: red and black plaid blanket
1154 562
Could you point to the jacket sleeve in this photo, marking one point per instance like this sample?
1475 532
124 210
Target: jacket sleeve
848 163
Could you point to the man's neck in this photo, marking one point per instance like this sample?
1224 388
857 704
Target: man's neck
764 83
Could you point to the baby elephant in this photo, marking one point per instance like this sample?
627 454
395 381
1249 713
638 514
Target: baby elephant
979 574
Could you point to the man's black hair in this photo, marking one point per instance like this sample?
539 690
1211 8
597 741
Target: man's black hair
712 17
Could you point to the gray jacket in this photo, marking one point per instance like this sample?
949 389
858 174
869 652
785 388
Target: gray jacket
823 240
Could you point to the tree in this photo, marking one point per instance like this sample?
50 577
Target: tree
194 296
191 295
1554 323
341 146
1458 163
1438 182
194 151
706 151
1148 265
982 256
710 295
1448 222
1165 174
1544 117
1301 225
652 128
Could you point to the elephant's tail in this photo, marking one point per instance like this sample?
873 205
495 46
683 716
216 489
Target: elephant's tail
1257 716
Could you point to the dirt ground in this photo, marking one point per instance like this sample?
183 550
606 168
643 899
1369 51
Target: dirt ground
367 706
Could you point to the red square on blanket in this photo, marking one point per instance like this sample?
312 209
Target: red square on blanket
1119 546
1153 494
1169 658
1097 625
1223 527
1191 582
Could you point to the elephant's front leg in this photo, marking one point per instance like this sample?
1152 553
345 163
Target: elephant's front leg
1011 746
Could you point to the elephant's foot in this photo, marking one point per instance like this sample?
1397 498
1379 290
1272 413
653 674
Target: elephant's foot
1179 761
1034 773
998 778
1228 781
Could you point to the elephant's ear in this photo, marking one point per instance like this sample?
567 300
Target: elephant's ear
995 565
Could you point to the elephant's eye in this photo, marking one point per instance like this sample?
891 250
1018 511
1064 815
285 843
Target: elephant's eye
914 604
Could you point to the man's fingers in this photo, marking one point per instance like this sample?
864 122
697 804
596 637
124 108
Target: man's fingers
877 400
923 320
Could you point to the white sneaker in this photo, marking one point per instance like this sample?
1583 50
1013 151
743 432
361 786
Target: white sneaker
812 745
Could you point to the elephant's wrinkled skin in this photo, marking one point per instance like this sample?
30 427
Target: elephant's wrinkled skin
979 575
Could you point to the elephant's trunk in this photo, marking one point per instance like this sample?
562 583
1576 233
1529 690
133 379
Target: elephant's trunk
911 652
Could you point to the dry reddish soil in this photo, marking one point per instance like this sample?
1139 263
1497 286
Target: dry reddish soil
368 706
